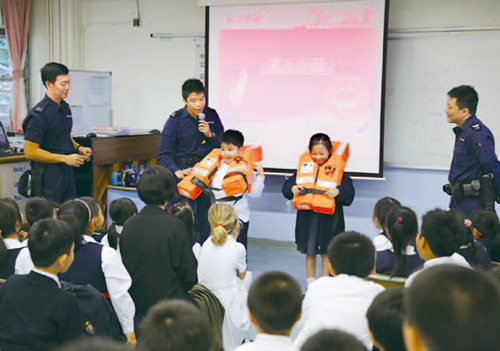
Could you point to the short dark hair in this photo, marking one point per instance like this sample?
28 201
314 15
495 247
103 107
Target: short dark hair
82 213
156 186
275 301
8 219
454 308
466 97
192 86
333 340
385 319
320 138
97 343
119 210
352 253
176 325
38 208
382 208
234 137
401 226
49 239
52 70
443 231
485 222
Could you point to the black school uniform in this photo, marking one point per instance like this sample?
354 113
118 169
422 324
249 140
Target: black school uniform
36 314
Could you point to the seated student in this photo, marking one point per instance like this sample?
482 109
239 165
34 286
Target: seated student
155 247
184 212
231 144
36 313
385 320
441 235
380 211
452 308
37 208
400 259
97 233
21 234
99 266
471 249
485 228
222 268
333 340
119 210
176 325
274 302
341 301
10 246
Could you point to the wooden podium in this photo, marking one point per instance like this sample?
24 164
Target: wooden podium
111 154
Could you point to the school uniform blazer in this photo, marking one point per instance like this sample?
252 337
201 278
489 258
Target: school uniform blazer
156 250
329 225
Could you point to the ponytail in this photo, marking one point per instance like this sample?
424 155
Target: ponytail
223 220
402 228
113 236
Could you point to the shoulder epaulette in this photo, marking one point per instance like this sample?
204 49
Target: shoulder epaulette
476 126
175 114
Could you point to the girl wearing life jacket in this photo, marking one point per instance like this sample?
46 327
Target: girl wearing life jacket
313 230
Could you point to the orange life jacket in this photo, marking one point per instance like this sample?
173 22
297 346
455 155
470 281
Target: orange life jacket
318 179
237 178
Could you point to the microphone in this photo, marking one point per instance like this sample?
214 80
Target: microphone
201 117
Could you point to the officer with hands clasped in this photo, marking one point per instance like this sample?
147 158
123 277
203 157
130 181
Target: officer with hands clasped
475 170
47 139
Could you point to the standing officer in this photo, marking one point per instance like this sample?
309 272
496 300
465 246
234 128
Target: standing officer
475 170
186 139
47 139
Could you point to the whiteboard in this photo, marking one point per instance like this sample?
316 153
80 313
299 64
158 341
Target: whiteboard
420 72
90 100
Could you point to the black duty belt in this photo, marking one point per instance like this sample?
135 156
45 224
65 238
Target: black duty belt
189 161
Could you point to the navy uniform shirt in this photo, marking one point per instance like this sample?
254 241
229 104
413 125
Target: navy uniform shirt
182 139
473 155
49 125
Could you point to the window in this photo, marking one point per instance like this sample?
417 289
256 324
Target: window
5 81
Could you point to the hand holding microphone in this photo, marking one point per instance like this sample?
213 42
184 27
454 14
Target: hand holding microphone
203 126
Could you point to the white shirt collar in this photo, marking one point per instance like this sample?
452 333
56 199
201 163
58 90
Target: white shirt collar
13 243
456 259
50 275
89 239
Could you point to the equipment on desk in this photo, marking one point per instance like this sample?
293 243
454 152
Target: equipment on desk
5 148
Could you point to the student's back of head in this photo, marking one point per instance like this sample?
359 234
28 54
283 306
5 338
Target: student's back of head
443 231
49 239
176 325
450 307
8 221
119 210
485 224
275 302
184 212
385 320
38 208
333 340
352 253
95 343
382 208
77 215
156 186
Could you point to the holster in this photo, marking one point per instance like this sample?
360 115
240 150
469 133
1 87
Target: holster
487 192
36 183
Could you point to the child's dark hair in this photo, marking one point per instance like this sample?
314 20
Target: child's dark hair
98 343
48 239
13 203
401 226
382 208
95 206
385 319
275 301
119 210
192 86
184 212
486 223
38 208
233 137
320 138
176 325
333 340
156 186
469 241
79 217
454 308
443 231
8 220
352 253
52 70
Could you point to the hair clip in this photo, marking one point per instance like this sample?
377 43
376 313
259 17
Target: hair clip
400 219
467 223
221 225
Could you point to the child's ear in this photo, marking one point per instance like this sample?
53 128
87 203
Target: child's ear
299 317
374 269
412 339
252 319
476 233
61 260
330 268
92 224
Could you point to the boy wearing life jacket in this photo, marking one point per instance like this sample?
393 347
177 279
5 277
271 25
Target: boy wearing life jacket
231 148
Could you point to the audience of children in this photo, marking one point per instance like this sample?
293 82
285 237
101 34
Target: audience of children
314 231
385 320
452 308
441 235
222 268
231 146
485 228
400 258
341 301
119 210
35 313
333 340
380 211
98 265
10 246
274 304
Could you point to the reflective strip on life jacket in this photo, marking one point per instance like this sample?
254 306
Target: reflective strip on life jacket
326 184
303 180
